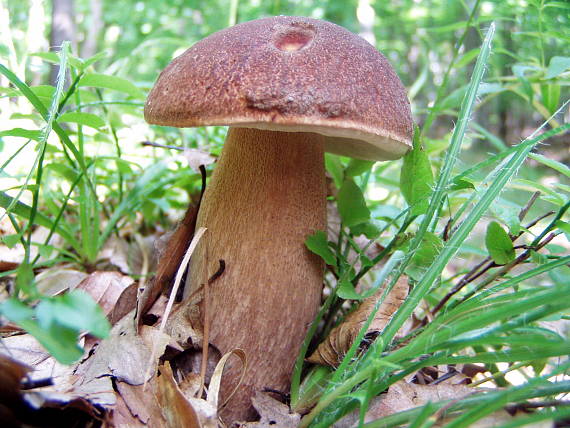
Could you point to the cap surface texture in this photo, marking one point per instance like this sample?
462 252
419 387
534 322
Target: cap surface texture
291 74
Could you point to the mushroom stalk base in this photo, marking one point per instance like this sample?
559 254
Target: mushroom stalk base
266 195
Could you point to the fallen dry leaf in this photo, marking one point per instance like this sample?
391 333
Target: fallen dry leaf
169 261
27 350
57 279
176 409
124 354
114 292
403 396
137 406
273 413
332 350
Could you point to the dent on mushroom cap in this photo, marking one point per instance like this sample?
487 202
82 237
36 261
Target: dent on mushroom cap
293 37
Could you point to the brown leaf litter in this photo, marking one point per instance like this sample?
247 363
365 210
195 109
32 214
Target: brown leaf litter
333 349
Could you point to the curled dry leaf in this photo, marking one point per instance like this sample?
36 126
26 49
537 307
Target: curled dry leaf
176 408
197 157
273 413
332 350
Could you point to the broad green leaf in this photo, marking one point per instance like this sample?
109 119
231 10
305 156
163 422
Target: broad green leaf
509 215
334 167
453 100
97 57
564 227
318 244
86 119
64 170
25 278
358 167
499 244
520 72
61 342
550 96
368 229
78 310
427 252
461 184
53 58
467 58
345 290
351 204
15 310
30 134
537 258
115 83
429 249
416 178
489 88
11 240
557 66
43 91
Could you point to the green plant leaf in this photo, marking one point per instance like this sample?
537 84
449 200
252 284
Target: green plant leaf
368 229
416 178
351 204
30 134
53 58
467 58
557 66
318 244
358 167
551 163
115 83
58 340
312 387
499 244
78 310
86 119
25 278
427 252
15 310
550 96
564 227
334 167
461 184
345 290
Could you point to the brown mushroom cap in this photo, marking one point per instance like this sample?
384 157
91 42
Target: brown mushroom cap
291 74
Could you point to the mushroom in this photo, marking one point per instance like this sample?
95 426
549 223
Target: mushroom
290 88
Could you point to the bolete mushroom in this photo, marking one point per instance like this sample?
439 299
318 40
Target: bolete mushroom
290 88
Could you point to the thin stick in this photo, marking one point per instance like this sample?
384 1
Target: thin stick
206 332
162 146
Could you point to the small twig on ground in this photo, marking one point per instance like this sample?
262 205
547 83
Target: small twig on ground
162 146
486 264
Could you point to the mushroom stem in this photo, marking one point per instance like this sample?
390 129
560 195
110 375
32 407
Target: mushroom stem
266 195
